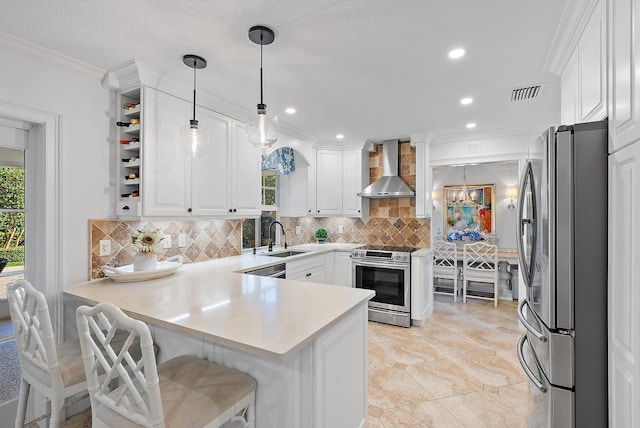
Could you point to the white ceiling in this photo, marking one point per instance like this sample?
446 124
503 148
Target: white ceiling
369 69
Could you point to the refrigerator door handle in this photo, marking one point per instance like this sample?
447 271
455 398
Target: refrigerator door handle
527 185
537 382
530 328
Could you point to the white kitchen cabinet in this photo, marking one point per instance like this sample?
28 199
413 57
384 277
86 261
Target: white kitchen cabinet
421 288
328 182
624 73
340 175
355 176
584 77
424 180
247 174
225 181
210 182
623 290
166 184
343 272
310 269
569 92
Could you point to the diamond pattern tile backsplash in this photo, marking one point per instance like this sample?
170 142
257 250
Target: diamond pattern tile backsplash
206 240
391 222
394 231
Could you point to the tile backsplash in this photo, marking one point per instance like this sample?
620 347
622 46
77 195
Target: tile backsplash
206 240
394 231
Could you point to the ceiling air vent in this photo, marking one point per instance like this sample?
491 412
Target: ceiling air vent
527 92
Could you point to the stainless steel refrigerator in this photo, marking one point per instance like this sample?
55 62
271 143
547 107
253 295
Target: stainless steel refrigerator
562 246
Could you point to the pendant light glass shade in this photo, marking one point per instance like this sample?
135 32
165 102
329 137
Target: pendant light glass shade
262 130
194 141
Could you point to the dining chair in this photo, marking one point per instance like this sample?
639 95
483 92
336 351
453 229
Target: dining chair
480 265
445 265
184 391
53 369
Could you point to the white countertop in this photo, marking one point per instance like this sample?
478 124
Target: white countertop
260 315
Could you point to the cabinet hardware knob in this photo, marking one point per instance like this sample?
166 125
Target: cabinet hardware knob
308 275
230 210
126 207
189 209
318 210
358 210
234 210
309 210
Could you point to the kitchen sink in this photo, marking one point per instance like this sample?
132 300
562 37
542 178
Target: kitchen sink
284 253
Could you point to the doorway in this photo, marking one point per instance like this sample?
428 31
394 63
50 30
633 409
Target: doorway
13 143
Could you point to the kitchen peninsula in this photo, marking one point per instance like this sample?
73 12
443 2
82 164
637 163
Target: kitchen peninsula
305 343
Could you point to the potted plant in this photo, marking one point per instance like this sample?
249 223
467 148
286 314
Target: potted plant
321 235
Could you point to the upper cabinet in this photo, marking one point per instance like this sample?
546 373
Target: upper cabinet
223 182
340 175
424 180
329 187
584 76
624 73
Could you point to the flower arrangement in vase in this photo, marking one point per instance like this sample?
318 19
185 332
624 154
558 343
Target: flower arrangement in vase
146 242
321 235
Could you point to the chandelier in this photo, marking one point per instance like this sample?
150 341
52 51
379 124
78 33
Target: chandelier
462 196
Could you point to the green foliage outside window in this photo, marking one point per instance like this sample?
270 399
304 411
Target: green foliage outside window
12 197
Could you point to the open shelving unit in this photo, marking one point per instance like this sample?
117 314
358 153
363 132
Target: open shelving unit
129 144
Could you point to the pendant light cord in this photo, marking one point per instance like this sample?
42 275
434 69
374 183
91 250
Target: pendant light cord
261 43
194 89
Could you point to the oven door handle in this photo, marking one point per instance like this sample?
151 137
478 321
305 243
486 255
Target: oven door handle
382 264
537 382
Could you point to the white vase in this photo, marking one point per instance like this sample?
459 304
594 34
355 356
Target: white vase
143 262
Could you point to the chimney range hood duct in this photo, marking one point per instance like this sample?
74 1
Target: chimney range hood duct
390 185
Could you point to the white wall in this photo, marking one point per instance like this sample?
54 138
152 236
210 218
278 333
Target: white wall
27 80
503 175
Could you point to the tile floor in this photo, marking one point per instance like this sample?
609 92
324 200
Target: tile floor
458 370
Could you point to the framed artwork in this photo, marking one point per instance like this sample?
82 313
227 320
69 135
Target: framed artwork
469 210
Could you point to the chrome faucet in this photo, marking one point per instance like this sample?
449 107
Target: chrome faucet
270 249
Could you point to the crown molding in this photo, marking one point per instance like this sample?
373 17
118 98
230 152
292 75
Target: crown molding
28 48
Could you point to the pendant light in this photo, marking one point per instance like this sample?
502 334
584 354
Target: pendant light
262 130
194 140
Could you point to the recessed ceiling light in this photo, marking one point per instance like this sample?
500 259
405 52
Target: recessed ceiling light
456 53
471 125
290 110
466 101
339 136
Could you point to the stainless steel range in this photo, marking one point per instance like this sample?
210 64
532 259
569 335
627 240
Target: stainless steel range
387 271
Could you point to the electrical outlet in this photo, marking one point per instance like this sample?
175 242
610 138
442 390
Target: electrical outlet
298 230
182 240
166 242
105 247
341 229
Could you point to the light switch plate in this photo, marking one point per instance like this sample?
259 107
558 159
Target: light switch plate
298 230
182 240
166 242
341 229
105 247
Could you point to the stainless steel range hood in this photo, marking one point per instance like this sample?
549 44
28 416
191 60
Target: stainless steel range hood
390 185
